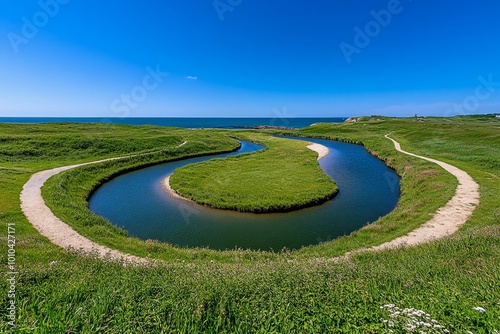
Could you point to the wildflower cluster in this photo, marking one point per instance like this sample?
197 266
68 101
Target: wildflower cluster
411 320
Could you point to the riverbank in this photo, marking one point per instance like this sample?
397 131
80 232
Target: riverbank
57 231
166 186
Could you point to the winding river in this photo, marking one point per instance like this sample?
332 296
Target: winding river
137 202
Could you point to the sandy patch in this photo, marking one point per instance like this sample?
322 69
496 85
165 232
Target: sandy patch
172 192
322 150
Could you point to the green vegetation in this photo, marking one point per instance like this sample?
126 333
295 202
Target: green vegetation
282 177
244 291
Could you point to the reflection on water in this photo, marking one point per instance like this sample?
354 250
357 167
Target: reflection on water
137 203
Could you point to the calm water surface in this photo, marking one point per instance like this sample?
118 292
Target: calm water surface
137 203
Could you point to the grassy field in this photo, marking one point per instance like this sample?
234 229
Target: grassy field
283 177
451 280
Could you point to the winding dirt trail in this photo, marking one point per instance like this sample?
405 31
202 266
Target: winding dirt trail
58 232
447 219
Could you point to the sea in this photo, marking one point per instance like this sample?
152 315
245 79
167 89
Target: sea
192 123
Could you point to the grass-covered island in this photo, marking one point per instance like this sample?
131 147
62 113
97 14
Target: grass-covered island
283 177
451 282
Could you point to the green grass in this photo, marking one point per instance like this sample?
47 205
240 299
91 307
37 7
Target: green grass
283 177
253 292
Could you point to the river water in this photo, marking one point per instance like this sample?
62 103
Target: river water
136 201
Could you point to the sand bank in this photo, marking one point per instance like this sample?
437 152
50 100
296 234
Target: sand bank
322 150
58 232
172 192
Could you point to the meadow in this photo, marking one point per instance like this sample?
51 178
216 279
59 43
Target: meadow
256 182
449 285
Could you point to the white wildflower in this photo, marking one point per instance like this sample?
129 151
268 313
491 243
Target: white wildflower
480 309
411 320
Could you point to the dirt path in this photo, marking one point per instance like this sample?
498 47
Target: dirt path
58 232
447 219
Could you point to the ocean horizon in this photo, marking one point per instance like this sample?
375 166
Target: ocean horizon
185 122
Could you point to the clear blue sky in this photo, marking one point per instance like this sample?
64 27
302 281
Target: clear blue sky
248 58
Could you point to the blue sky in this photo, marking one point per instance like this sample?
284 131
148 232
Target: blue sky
242 58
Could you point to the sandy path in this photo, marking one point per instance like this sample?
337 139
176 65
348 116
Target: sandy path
58 232
447 219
